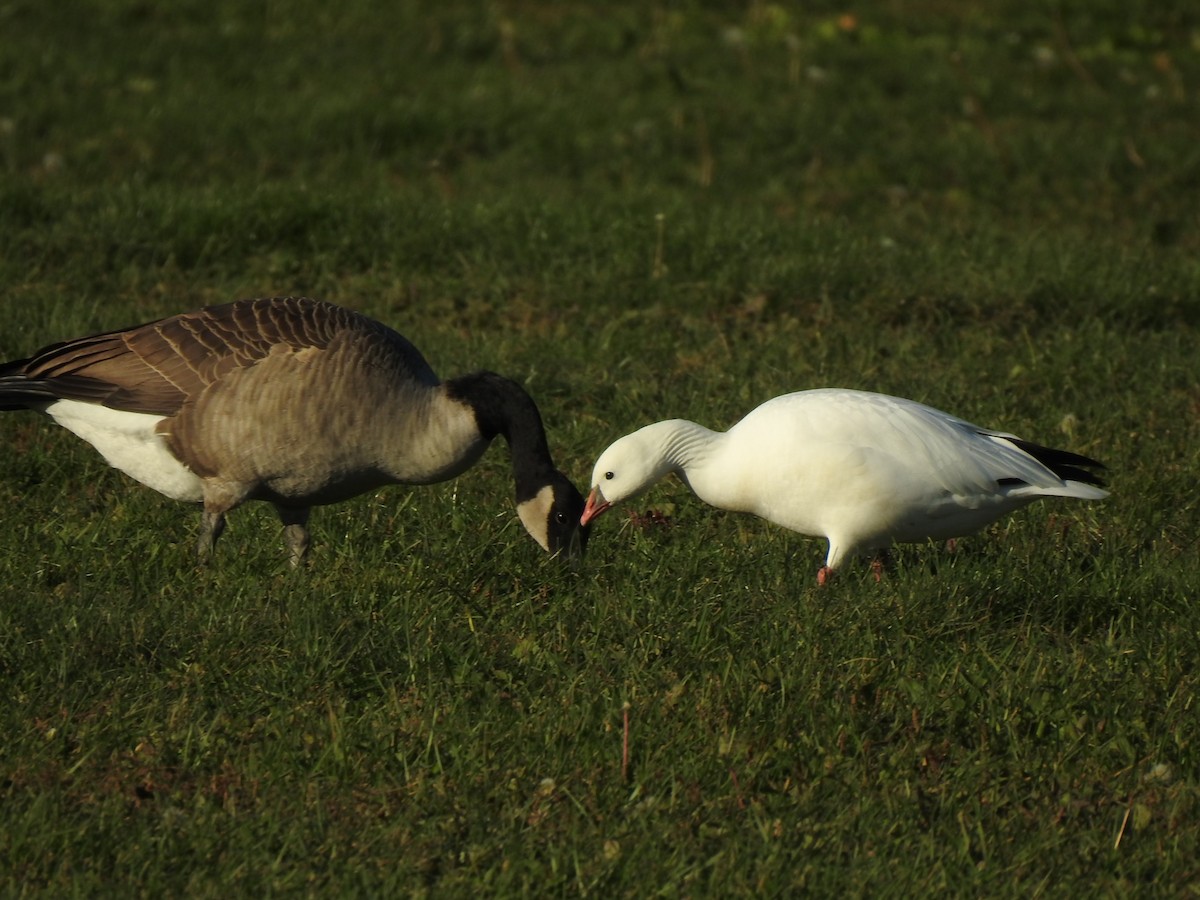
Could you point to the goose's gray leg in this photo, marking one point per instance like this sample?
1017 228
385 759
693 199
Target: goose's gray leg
219 499
295 531
212 523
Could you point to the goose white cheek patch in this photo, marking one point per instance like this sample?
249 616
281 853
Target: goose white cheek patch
535 516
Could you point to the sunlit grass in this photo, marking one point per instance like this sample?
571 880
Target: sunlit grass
640 215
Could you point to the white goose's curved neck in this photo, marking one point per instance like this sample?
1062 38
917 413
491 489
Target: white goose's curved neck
686 446
681 447
693 452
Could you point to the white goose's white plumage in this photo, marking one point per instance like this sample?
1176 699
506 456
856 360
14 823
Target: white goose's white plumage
863 470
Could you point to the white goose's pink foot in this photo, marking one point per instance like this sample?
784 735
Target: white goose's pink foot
880 563
823 575
877 568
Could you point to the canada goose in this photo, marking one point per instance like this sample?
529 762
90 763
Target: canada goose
860 469
289 400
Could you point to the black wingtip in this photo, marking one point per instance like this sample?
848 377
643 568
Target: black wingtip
1066 465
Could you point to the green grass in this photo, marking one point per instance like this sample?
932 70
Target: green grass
640 213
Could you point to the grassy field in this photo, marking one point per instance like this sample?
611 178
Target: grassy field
640 211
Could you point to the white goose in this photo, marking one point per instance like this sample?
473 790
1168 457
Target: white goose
863 470
292 401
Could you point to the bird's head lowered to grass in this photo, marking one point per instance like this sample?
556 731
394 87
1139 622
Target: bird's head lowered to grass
553 517
630 467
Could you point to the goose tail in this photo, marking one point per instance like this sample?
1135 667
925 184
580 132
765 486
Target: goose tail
1078 481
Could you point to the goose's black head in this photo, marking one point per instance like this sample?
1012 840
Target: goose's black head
547 502
551 516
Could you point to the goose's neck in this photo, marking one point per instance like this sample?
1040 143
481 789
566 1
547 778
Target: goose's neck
503 407
686 446
688 450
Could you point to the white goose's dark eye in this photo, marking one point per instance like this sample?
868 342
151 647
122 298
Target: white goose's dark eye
608 476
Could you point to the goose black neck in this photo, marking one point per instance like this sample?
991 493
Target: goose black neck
503 407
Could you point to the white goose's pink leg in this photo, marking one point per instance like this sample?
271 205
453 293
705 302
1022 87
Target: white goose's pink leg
880 562
832 558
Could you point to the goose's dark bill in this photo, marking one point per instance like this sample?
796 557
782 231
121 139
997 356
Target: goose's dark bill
569 533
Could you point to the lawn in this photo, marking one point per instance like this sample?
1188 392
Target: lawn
638 211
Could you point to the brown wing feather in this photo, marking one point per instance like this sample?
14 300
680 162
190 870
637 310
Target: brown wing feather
157 367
